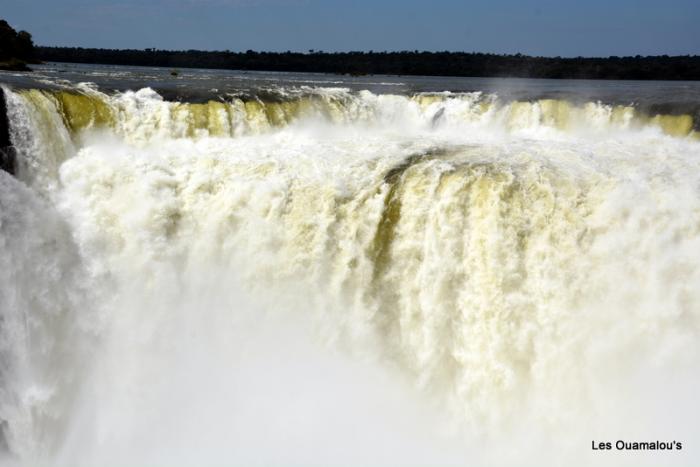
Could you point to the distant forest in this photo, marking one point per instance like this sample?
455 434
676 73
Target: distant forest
395 63
16 48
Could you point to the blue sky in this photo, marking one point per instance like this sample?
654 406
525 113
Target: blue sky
536 27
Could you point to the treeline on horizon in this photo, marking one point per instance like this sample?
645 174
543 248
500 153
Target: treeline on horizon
394 63
16 48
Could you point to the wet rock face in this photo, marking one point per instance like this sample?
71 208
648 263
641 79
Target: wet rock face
7 152
7 159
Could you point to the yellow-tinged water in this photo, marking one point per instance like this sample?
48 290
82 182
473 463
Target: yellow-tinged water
82 111
346 266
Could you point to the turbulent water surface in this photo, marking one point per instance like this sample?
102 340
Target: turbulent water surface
222 268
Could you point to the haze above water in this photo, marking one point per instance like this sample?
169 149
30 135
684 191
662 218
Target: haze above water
198 84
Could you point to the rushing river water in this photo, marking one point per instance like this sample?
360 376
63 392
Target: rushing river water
247 268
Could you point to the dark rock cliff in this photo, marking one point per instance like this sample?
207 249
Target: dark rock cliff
7 152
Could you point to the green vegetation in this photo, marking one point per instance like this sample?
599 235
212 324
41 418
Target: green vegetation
395 63
16 48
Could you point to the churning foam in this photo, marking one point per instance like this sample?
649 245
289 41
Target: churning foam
347 278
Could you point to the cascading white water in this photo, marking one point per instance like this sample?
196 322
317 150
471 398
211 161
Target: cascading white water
346 279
